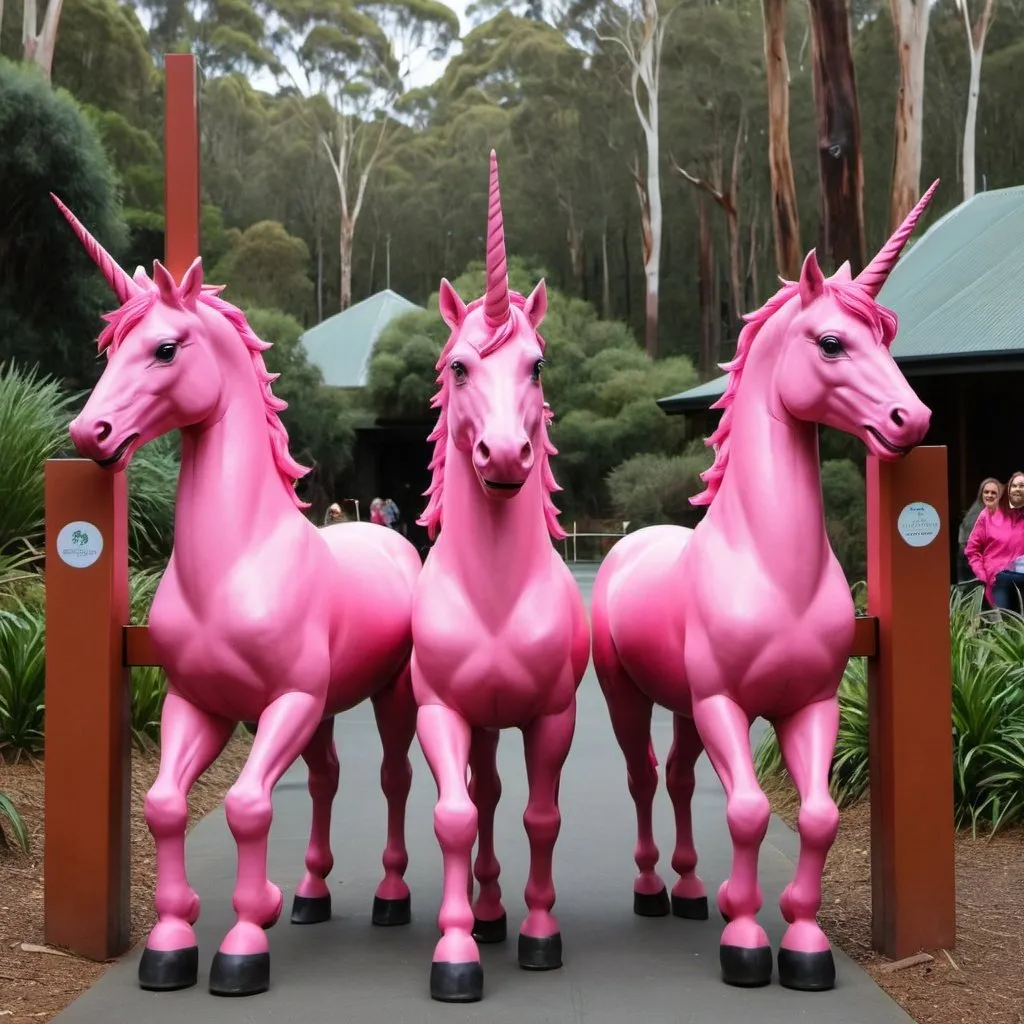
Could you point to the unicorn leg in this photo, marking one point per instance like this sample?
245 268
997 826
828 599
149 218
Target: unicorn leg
807 740
630 712
190 740
242 964
456 975
745 954
395 711
490 923
689 897
312 902
546 741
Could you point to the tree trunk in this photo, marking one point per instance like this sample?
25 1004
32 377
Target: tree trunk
788 256
840 168
752 264
706 290
606 279
345 251
976 45
319 270
38 46
910 27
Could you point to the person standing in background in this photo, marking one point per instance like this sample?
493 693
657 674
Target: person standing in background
995 549
989 494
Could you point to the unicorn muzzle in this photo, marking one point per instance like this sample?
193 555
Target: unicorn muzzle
904 428
95 439
503 464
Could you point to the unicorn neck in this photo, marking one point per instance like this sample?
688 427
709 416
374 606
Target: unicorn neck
230 493
493 546
770 496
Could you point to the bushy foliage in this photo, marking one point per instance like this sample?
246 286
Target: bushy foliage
599 383
988 721
51 294
650 489
34 415
844 494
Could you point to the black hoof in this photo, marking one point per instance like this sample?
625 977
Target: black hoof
311 909
240 974
807 972
391 912
495 930
540 954
747 968
692 909
456 983
651 906
166 970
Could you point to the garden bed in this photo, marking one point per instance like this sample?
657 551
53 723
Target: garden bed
36 985
981 980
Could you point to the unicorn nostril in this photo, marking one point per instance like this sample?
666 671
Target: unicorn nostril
898 416
103 429
485 452
526 452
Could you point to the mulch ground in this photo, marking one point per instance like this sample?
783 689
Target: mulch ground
36 984
981 980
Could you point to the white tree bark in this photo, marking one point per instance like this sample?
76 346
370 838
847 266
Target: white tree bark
976 45
350 207
38 45
642 39
910 25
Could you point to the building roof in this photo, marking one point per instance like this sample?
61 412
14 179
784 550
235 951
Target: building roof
958 291
341 346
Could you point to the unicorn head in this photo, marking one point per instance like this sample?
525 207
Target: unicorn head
175 352
821 349
491 400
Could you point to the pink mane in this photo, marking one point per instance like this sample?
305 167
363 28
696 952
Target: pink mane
125 319
847 293
494 339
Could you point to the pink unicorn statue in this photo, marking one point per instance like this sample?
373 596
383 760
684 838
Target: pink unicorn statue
259 617
500 634
749 615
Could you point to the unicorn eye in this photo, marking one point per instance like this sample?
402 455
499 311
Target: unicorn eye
831 347
165 351
537 367
459 372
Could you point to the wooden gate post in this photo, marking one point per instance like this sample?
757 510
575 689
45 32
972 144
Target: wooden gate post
88 711
910 705
181 163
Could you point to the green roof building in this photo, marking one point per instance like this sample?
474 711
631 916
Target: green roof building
341 346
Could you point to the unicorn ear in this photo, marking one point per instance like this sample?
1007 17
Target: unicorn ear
192 283
812 281
536 306
843 273
453 309
165 284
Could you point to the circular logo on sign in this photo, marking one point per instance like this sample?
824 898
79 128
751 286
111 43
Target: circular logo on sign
918 524
79 544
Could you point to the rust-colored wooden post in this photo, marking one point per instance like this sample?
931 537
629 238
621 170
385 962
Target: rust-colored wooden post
88 711
181 163
910 698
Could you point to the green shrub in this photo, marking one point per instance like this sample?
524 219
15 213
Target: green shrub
34 416
152 490
9 813
650 489
22 680
987 662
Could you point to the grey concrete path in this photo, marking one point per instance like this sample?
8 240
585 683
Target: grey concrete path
618 968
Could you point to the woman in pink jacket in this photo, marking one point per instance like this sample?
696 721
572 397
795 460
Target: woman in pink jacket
995 549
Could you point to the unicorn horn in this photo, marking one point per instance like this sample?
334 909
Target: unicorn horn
123 286
496 303
874 275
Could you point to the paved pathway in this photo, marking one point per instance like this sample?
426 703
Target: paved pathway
618 967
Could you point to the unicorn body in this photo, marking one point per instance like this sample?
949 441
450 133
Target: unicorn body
500 635
750 614
259 616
